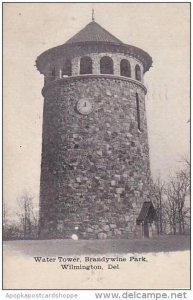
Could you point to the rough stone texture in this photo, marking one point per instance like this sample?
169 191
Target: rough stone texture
95 171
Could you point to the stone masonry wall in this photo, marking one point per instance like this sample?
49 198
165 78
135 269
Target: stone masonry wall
95 169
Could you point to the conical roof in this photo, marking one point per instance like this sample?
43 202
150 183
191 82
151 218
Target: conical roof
93 32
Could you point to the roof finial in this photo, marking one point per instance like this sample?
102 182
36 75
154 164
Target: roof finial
92 14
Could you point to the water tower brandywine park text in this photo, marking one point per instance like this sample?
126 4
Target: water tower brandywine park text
95 171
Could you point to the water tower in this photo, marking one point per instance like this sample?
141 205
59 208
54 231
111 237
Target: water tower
95 171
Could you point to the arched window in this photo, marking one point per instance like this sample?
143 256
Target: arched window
67 69
106 65
125 68
138 112
137 73
86 65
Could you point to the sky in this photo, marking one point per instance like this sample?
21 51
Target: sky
162 30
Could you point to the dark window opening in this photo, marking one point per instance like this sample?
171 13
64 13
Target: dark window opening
106 65
125 68
137 73
53 72
86 65
138 112
67 69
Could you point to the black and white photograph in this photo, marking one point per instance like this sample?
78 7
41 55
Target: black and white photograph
96 167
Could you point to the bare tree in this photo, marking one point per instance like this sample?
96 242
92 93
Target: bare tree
5 221
35 222
177 194
5 212
159 200
28 218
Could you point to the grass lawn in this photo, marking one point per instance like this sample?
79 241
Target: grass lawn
71 247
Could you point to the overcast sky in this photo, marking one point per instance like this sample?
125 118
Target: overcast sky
29 29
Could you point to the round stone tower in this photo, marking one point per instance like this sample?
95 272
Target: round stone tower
95 170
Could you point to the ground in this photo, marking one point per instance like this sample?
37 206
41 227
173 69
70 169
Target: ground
70 247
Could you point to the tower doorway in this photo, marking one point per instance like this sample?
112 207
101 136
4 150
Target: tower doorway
146 218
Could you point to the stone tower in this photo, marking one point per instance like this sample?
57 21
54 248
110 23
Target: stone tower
95 170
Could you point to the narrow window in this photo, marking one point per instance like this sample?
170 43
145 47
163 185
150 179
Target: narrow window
53 72
137 73
67 69
138 112
125 68
106 65
86 65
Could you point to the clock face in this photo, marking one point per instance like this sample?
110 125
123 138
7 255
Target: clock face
84 106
